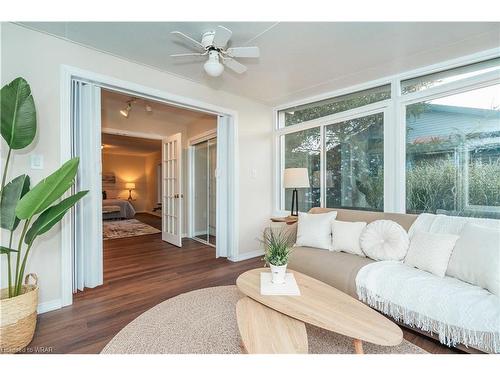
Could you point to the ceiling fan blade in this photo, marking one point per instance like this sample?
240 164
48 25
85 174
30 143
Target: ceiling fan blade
222 36
187 54
243 52
234 65
193 42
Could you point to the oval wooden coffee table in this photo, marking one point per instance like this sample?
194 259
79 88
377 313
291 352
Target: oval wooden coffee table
323 306
267 331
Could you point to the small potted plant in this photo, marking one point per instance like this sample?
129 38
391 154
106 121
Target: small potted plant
278 242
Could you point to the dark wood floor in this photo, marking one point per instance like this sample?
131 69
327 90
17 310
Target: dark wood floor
139 273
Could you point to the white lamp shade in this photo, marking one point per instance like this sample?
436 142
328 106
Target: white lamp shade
130 185
296 178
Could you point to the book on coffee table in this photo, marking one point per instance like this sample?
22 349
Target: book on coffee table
288 288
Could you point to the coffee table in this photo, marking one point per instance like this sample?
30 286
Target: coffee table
320 305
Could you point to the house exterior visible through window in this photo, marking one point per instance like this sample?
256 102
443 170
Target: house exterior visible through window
453 154
429 143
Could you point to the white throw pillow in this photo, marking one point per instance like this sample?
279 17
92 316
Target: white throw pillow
384 240
476 257
345 236
431 251
315 230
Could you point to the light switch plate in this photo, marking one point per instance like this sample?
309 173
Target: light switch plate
36 161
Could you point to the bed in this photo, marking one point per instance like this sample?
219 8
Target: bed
117 209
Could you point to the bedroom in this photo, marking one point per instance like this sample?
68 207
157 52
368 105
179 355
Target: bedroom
132 178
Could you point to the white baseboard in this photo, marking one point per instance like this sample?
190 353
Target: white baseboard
49 306
248 255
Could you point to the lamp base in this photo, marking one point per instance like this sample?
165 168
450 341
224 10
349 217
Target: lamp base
295 203
129 195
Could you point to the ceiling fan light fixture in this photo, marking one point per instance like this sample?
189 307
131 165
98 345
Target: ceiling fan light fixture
212 66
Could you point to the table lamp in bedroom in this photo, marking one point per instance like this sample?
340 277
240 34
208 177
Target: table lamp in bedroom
130 186
295 178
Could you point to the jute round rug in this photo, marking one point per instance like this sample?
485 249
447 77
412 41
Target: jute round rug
204 322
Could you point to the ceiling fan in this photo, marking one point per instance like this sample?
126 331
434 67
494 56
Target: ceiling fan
213 44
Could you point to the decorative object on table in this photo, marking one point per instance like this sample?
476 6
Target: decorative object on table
277 248
269 288
295 178
38 207
130 186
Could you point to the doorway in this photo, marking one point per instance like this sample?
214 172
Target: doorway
80 104
204 200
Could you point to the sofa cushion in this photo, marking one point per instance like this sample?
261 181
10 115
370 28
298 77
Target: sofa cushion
476 257
315 230
431 251
336 269
384 240
345 236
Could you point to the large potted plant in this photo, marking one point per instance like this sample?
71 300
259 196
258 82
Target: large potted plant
32 210
278 243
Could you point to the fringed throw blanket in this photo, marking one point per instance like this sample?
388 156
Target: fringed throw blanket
460 313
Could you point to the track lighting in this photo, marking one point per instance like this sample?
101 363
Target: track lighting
125 112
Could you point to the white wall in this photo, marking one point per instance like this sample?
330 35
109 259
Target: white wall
38 58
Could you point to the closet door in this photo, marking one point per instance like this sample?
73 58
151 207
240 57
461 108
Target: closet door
212 191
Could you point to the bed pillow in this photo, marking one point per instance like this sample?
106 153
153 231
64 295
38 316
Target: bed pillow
431 251
314 230
345 236
384 240
476 257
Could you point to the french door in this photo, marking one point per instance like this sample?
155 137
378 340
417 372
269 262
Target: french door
172 196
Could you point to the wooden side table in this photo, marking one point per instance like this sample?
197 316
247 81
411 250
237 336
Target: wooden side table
289 220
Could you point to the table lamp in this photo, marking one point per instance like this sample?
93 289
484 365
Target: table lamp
294 178
130 186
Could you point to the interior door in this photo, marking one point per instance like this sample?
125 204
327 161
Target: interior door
86 118
172 190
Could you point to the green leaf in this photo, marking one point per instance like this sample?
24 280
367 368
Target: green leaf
18 114
9 196
52 216
6 250
47 191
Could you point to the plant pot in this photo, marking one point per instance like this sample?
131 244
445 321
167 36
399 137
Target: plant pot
18 317
278 274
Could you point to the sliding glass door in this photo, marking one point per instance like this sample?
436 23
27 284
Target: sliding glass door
204 202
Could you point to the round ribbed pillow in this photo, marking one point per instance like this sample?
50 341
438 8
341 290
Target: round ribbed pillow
384 240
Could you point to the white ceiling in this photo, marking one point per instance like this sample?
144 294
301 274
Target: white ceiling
298 59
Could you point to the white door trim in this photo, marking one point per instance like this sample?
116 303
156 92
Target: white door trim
67 74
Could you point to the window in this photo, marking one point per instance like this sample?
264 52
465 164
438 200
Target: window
312 111
453 154
302 150
355 163
357 147
440 78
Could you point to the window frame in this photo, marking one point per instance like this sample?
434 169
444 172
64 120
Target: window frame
394 111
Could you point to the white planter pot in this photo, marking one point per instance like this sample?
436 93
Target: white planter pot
278 274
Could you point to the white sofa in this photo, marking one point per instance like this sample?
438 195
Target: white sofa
456 311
